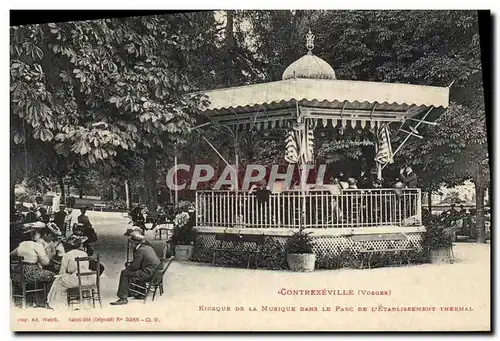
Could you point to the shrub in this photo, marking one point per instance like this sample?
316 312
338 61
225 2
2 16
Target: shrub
300 242
116 205
184 232
437 236
339 260
272 256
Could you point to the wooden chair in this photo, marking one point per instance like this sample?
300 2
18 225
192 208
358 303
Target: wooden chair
163 228
24 290
86 292
142 288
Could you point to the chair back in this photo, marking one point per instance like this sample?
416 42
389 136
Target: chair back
80 274
161 269
18 264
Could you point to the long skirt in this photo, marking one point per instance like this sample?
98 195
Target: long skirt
32 273
57 297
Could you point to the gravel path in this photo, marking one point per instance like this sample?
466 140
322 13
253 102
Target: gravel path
198 296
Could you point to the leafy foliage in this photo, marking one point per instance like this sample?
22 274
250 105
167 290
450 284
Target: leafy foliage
418 47
437 236
184 232
300 242
95 88
92 91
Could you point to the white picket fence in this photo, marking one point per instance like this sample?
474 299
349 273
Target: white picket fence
311 209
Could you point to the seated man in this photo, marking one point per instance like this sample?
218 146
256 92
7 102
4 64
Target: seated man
59 219
142 266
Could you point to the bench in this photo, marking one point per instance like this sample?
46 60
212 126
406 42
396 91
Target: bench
229 242
100 207
392 237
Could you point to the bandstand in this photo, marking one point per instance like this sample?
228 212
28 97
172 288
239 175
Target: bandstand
309 98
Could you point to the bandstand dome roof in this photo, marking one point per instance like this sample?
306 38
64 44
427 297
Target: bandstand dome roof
309 67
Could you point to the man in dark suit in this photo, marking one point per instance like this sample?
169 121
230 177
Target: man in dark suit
409 178
142 266
83 219
59 218
85 229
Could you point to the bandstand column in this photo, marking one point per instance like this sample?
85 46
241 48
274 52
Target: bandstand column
236 171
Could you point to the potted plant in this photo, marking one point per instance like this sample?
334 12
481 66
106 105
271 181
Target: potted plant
183 236
299 252
438 240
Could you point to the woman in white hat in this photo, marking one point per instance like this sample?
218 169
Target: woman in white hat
34 258
67 278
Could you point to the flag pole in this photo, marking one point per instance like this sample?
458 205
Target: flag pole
127 197
176 194
379 166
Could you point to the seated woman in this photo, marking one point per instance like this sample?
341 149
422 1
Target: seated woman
34 258
67 278
51 240
57 260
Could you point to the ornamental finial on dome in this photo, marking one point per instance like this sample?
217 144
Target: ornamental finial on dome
309 42
309 66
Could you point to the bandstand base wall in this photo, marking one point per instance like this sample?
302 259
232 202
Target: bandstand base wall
334 248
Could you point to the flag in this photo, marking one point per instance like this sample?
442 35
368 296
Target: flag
384 149
308 145
300 144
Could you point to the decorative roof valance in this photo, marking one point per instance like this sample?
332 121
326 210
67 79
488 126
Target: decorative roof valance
290 91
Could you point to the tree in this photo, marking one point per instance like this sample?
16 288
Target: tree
94 90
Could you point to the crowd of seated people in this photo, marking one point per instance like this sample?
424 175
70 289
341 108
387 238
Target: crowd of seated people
47 254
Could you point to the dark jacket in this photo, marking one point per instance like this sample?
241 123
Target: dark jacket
59 217
89 232
145 259
83 219
30 217
410 180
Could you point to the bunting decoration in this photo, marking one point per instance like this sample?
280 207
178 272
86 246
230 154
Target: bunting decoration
308 148
300 144
292 152
384 149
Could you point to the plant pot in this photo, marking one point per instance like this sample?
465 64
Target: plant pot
301 262
183 252
440 255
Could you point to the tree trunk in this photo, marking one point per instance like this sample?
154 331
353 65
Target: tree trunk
230 46
127 195
229 30
480 191
63 192
12 196
80 193
250 146
150 195
429 201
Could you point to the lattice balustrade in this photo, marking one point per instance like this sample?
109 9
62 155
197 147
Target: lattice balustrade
324 245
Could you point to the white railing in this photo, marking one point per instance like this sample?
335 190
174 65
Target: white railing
312 209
